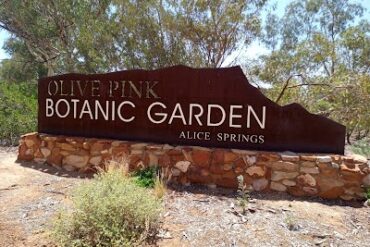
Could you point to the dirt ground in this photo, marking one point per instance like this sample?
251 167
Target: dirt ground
31 194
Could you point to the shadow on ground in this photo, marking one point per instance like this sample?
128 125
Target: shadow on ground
53 170
270 196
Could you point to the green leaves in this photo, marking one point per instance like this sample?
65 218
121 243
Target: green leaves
18 110
318 40
100 36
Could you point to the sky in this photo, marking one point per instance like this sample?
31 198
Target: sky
254 50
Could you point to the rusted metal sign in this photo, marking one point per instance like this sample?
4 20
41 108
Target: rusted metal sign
181 106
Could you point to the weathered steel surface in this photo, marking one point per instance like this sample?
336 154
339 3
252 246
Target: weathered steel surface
132 105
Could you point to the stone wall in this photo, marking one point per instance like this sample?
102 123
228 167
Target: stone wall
327 176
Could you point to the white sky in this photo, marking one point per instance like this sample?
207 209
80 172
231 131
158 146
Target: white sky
252 51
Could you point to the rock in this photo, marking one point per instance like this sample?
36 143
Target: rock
138 146
218 157
330 187
76 160
55 158
97 147
24 153
306 180
229 157
309 157
175 172
204 172
66 146
117 151
216 169
183 165
323 159
308 164
251 159
289 156
29 143
359 158
276 175
284 166
238 170
201 157
366 180
227 182
256 170
260 184
277 186
350 168
311 170
287 182
45 152
244 152
241 163
69 168
96 160
310 190
263 157
227 167
153 159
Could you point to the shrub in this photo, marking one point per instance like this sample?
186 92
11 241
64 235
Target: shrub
110 210
146 177
160 187
18 110
361 147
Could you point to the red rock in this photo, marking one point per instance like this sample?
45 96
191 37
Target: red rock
230 157
218 157
306 180
256 171
329 187
216 169
310 190
201 157
24 153
284 166
296 191
240 163
263 157
309 157
332 193
55 158
227 183
229 174
164 160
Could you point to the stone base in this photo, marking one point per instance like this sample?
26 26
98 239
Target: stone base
327 176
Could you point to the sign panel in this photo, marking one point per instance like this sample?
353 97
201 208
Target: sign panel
181 106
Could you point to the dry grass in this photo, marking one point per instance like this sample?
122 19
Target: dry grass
117 164
160 186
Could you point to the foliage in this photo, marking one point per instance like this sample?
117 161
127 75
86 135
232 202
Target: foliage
18 110
367 192
146 177
362 147
321 58
110 210
107 35
243 194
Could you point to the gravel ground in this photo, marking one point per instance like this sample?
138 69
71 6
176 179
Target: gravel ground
31 194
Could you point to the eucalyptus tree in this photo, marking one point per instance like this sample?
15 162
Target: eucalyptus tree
320 57
107 35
